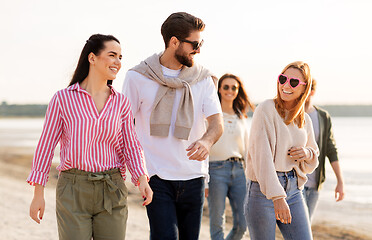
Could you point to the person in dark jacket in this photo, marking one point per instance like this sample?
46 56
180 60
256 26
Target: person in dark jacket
322 126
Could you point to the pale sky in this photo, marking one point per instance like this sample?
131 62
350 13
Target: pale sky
41 41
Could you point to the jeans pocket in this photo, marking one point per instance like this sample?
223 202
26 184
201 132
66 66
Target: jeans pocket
283 181
255 190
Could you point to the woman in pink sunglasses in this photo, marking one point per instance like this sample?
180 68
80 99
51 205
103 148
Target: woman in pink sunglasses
281 151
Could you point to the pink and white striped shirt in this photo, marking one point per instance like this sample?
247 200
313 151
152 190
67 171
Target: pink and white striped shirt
89 141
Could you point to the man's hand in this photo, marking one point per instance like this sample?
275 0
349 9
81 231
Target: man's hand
199 150
339 192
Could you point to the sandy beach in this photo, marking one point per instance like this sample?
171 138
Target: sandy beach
332 221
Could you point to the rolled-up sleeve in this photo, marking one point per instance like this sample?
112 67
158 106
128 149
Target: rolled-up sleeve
45 149
133 153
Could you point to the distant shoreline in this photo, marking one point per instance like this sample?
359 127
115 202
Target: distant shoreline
38 110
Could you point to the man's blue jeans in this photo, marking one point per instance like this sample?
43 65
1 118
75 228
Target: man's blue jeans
311 196
260 214
176 209
227 179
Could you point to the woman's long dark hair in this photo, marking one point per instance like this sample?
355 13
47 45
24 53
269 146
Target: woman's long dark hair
241 103
94 44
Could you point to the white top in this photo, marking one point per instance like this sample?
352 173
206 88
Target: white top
269 141
234 140
315 120
311 181
166 156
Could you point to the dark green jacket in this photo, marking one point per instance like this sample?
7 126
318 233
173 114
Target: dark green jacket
327 144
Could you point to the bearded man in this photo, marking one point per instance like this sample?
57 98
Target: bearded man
171 97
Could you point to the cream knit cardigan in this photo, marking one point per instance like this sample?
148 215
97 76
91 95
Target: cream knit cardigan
269 141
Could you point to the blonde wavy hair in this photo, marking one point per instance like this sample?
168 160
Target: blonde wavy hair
297 113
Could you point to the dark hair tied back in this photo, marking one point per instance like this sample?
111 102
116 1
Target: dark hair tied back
94 44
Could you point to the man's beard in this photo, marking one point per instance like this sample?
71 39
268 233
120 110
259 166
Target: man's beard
183 59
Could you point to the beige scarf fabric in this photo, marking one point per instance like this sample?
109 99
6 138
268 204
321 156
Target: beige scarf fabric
160 118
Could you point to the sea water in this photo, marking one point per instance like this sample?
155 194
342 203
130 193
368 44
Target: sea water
353 138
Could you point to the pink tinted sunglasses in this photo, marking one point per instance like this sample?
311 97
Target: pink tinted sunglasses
293 82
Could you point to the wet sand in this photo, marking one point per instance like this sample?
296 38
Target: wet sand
332 221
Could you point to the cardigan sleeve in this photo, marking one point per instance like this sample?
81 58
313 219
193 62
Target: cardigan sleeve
261 152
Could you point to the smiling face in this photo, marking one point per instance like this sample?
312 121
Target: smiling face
185 52
108 62
229 89
288 94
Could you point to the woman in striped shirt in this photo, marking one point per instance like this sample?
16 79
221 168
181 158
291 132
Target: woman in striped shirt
94 125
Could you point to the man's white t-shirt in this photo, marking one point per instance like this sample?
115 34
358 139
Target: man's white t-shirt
166 157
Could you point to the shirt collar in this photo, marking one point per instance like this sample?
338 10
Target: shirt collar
76 87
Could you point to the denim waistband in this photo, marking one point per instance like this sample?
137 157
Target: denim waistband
291 173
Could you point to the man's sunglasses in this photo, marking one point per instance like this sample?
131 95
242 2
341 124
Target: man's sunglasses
195 44
226 87
293 82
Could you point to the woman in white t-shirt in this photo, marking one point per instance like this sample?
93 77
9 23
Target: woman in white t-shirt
227 178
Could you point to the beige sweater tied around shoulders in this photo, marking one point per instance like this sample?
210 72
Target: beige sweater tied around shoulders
160 118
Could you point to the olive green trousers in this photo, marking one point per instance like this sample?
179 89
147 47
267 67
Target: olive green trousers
91 205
